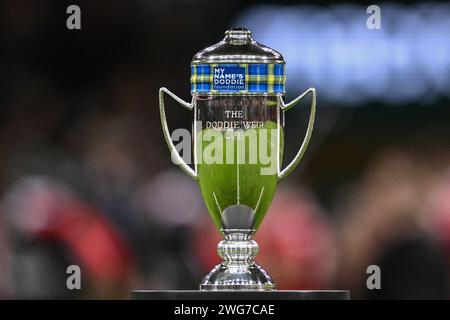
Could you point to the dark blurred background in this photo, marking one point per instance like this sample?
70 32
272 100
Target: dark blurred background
86 178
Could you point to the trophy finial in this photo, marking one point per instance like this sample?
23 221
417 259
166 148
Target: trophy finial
238 36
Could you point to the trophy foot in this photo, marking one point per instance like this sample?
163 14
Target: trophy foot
224 277
238 271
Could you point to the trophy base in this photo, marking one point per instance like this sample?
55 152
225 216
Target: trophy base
238 271
240 295
237 277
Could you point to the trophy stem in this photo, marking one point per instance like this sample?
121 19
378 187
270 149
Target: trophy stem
238 271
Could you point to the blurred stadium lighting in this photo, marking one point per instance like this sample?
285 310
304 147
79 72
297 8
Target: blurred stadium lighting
407 60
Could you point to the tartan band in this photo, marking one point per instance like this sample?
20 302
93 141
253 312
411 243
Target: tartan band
238 78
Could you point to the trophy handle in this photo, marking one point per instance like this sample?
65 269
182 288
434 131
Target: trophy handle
178 160
298 157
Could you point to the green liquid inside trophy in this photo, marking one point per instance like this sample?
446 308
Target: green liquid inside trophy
237 100
242 172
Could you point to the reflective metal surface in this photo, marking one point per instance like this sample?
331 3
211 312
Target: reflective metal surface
238 46
238 271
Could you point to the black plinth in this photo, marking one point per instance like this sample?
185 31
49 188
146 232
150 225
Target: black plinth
240 295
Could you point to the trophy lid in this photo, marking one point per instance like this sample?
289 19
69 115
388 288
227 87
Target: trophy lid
238 46
238 65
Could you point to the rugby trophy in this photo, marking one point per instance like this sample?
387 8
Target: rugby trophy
237 88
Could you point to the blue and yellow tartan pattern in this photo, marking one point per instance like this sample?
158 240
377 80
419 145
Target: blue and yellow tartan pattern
259 78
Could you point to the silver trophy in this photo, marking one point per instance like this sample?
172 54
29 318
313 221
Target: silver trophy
237 88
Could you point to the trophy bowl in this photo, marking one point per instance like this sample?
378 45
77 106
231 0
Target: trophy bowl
237 88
